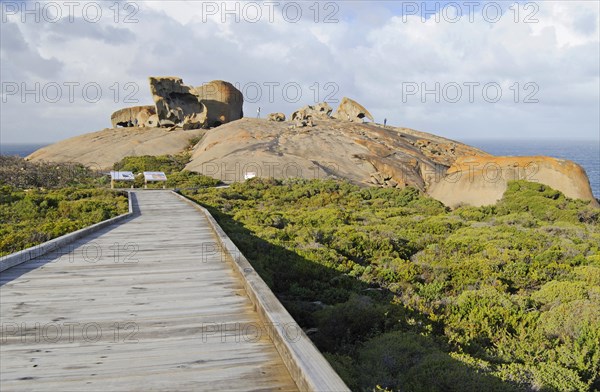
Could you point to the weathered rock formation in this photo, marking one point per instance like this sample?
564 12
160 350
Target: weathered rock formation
278 117
223 102
353 111
362 153
304 117
367 154
340 146
319 111
175 102
300 119
209 105
100 150
137 116
482 180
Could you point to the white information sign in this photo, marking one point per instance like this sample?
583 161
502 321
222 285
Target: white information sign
155 176
122 176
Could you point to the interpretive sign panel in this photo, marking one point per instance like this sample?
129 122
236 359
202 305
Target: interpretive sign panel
155 176
122 176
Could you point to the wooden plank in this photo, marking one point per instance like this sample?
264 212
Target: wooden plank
309 369
141 305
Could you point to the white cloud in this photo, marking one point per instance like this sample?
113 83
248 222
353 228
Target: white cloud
369 54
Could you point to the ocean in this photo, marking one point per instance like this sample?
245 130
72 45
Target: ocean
21 150
585 153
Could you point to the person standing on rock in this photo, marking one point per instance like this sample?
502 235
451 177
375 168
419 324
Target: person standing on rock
385 122
258 112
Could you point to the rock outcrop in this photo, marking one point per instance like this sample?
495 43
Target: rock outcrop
278 117
350 110
310 112
304 116
223 102
100 150
175 102
136 116
209 105
363 153
315 145
300 119
482 180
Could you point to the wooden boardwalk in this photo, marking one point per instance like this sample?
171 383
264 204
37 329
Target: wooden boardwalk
148 304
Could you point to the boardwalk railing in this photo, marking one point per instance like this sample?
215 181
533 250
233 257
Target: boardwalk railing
307 366
168 294
31 253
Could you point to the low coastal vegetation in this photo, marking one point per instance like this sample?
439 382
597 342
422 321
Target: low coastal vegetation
402 294
21 174
30 217
171 165
399 292
42 201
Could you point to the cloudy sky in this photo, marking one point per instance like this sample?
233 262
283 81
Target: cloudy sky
463 70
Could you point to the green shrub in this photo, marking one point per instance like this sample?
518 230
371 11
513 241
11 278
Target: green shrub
35 216
554 293
165 163
403 294
187 179
348 323
403 361
19 173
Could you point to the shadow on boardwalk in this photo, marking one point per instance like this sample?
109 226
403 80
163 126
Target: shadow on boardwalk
166 316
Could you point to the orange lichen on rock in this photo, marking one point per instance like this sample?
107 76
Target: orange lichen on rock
481 180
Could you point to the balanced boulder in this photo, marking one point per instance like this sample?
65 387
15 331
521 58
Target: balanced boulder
210 105
277 117
304 116
223 102
320 111
136 116
350 110
174 101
